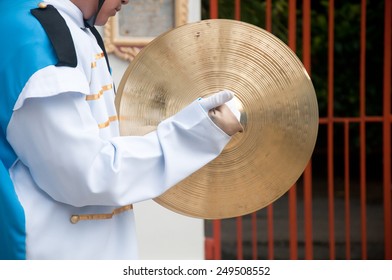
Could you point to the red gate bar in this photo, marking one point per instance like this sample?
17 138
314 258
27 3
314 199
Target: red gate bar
387 130
217 240
268 17
293 228
213 9
237 10
270 208
347 218
331 211
270 222
363 129
306 43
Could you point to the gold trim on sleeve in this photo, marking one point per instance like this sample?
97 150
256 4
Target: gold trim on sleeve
87 217
99 55
107 123
100 93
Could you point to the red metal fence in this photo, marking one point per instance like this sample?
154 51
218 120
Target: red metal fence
341 207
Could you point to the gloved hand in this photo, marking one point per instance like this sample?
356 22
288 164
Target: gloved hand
222 110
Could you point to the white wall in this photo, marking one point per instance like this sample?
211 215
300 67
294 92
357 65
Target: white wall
163 234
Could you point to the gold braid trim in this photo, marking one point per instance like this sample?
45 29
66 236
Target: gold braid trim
86 217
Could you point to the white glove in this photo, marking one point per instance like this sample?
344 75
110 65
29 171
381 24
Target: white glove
220 98
221 108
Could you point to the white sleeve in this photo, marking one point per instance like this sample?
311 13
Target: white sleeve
58 140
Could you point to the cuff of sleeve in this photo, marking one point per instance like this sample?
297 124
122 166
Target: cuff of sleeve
194 127
195 113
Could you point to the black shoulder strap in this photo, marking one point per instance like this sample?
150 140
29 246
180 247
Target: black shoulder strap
58 33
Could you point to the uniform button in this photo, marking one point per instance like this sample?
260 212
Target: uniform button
42 5
74 219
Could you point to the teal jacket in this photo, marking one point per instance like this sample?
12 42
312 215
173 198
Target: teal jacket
25 49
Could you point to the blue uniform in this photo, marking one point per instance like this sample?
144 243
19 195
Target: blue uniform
25 54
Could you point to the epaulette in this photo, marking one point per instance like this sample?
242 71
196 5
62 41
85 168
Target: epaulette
58 34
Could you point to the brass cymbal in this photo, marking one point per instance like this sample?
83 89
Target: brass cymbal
275 95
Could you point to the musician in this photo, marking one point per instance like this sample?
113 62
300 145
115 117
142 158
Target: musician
68 180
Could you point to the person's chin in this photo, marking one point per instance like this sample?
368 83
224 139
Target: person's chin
101 21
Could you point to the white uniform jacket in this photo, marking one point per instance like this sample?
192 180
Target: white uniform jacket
72 161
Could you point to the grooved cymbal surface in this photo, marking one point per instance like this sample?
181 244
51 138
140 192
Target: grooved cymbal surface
274 93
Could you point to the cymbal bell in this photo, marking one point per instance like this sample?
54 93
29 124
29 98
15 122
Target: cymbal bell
274 93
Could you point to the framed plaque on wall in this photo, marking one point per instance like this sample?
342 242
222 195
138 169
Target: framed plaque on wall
139 22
